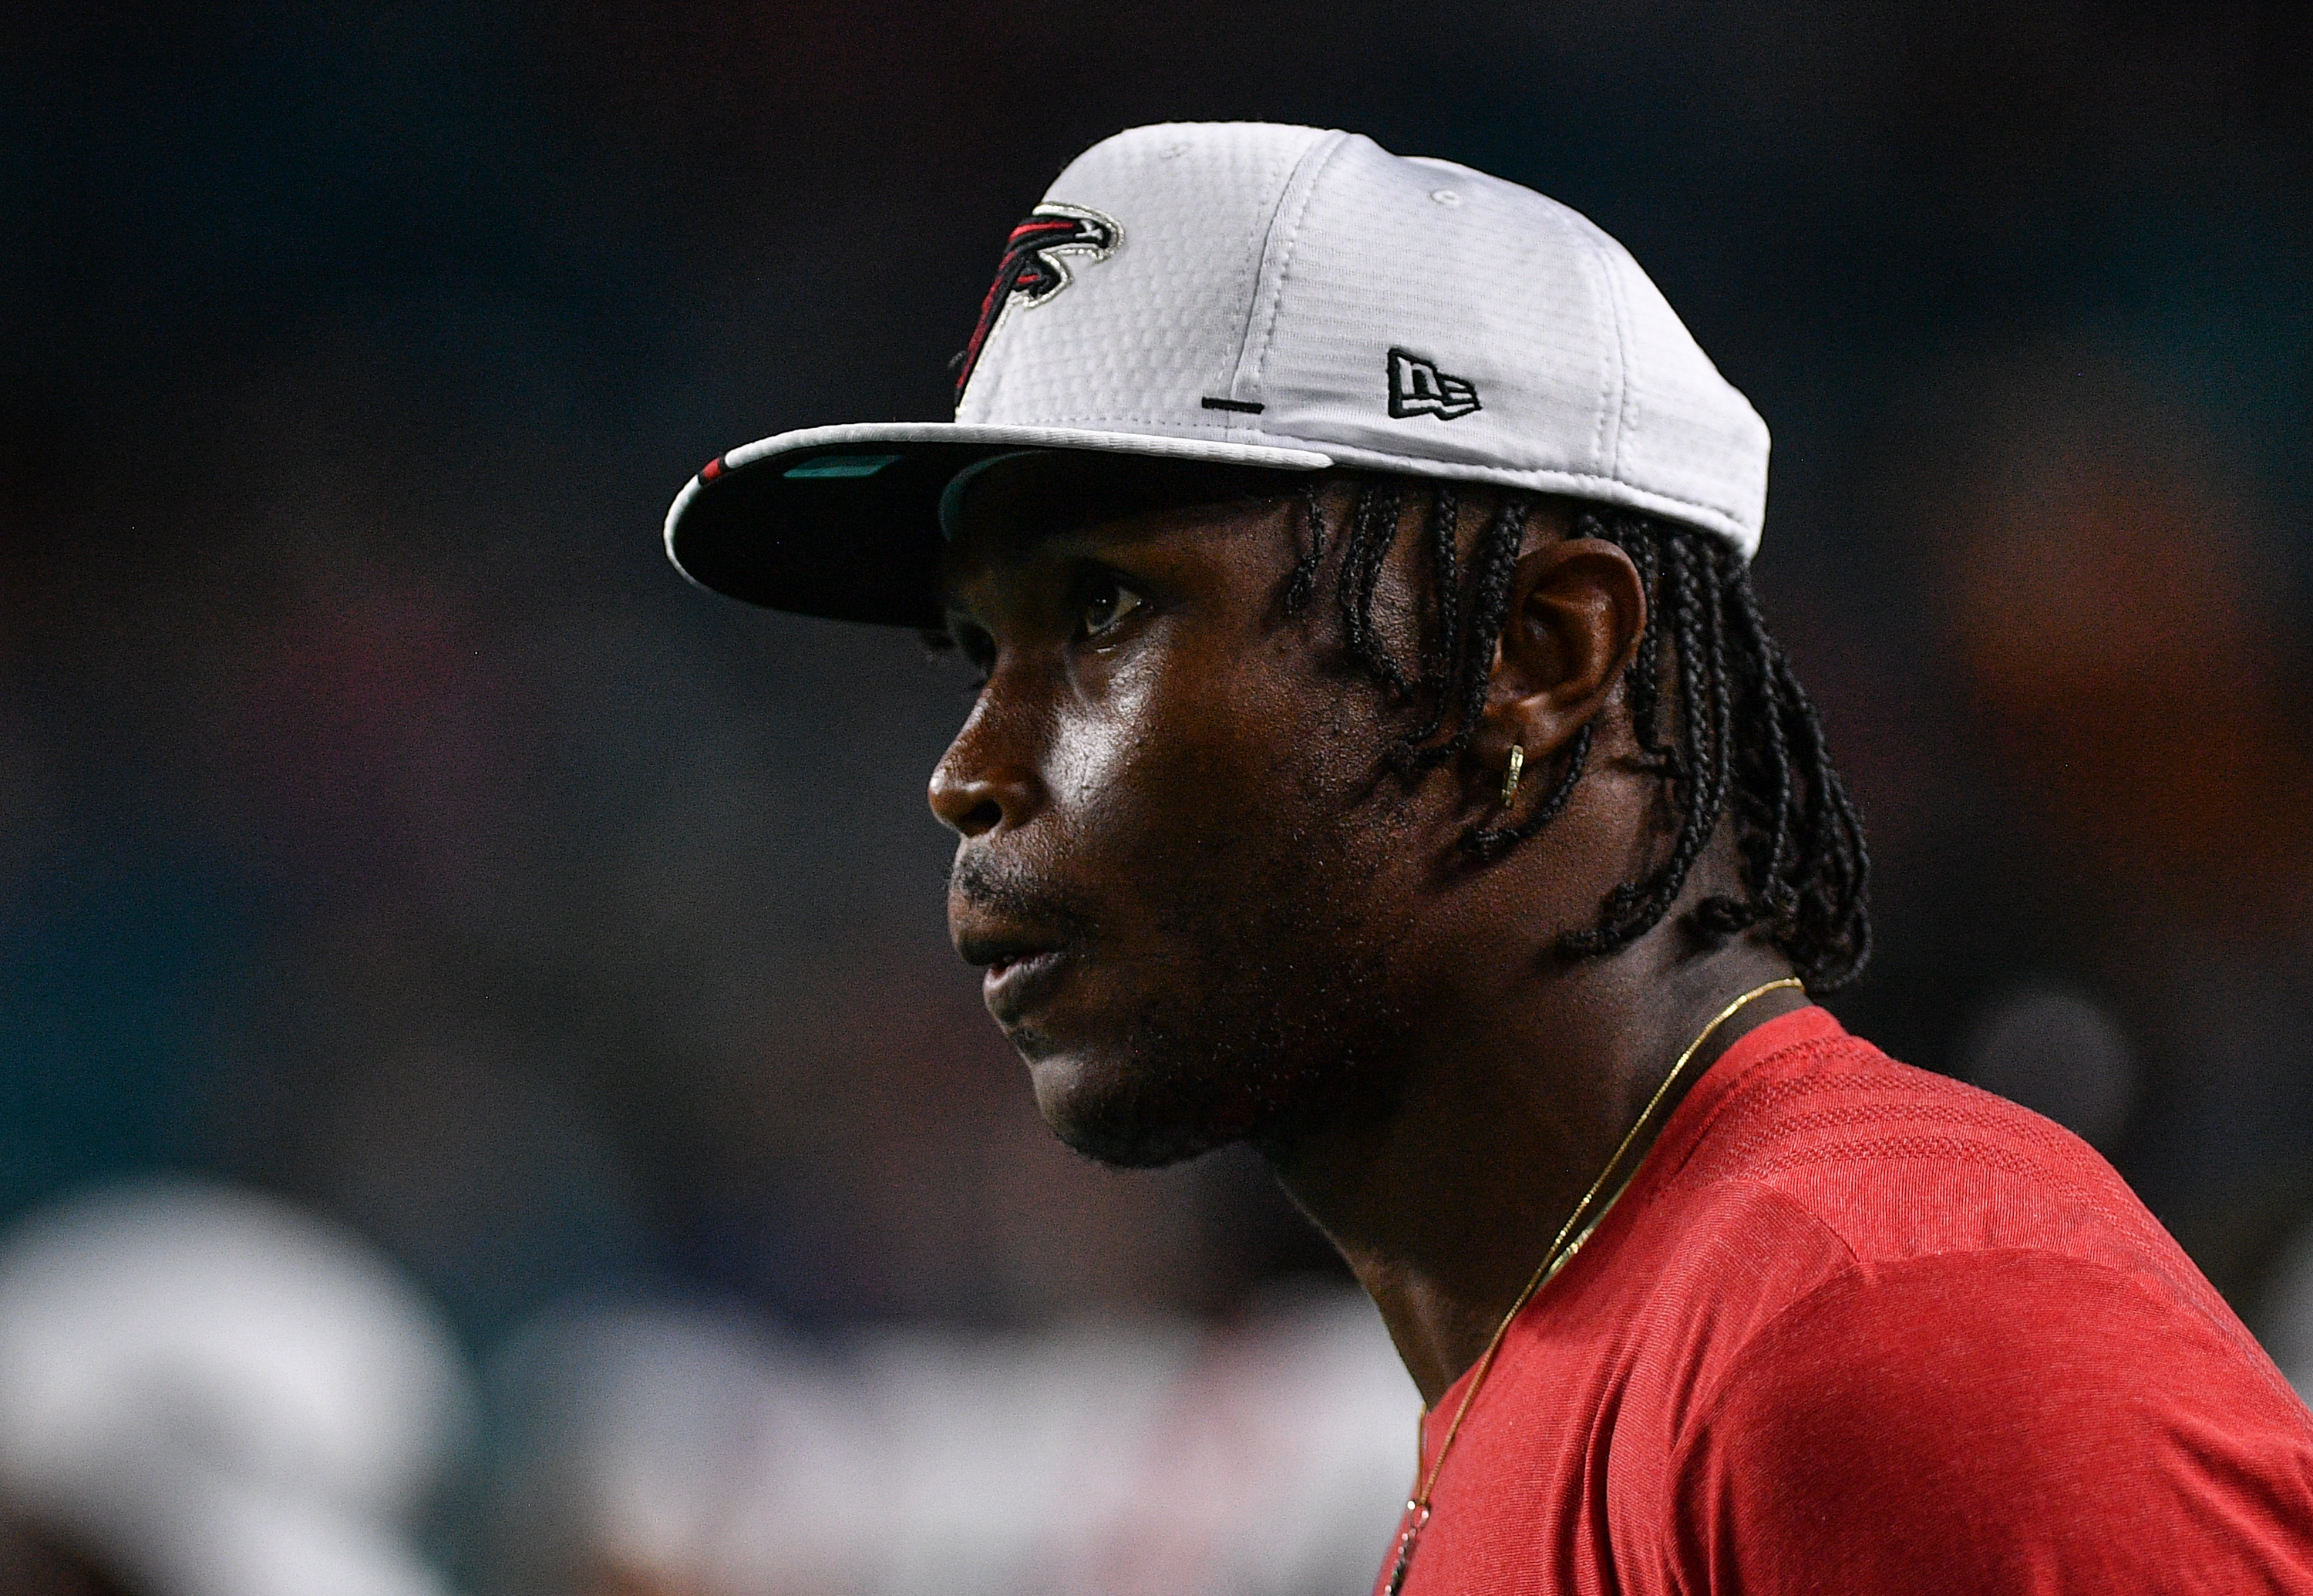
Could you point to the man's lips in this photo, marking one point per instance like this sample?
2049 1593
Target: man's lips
1026 933
1012 987
1020 968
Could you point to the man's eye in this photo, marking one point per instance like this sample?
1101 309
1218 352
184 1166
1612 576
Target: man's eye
976 648
1109 605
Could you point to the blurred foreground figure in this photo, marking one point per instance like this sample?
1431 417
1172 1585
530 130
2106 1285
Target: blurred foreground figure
1378 757
203 1392
661 1453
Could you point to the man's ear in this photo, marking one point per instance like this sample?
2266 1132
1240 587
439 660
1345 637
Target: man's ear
1577 611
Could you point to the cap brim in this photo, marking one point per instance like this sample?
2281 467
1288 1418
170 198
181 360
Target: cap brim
844 521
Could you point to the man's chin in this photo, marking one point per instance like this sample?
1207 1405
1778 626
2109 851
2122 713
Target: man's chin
1129 1119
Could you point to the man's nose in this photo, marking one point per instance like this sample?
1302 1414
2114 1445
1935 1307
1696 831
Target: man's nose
980 785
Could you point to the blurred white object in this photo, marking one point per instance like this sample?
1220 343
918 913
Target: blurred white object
217 1394
684 1452
2057 1051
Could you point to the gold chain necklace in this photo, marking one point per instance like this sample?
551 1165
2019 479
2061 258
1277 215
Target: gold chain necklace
1417 1509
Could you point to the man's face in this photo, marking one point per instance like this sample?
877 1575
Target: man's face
1193 892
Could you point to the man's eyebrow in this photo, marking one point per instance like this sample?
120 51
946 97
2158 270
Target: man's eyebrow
1004 562
1013 555
1086 528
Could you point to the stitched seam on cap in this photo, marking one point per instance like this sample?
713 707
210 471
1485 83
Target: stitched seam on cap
1628 420
1617 380
1257 252
1252 357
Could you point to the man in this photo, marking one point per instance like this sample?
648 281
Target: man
1380 759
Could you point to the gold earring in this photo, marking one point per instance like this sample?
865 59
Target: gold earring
1517 768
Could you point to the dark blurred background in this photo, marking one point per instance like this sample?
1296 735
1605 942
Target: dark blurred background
383 823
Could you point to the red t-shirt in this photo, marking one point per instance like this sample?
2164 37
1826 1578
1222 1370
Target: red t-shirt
1860 1328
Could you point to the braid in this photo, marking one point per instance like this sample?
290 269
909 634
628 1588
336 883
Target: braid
1642 683
1462 689
1718 916
1767 798
1714 706
1446 582
1303 586
1380 505
1806 869
1484 844
1830 878
1698 783
1447 649
1497 564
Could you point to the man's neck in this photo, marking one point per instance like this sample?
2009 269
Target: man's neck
1445 1207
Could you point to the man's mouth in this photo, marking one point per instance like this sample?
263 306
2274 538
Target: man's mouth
1011 986
1018 969
1024 935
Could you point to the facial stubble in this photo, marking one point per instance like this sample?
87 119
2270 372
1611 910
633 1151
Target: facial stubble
1275 1017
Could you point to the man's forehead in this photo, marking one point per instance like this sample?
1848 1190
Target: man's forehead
1025 511
1017 501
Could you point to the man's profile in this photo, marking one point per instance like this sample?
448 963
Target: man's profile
1379 757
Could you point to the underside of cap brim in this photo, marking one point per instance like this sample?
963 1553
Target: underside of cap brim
843 521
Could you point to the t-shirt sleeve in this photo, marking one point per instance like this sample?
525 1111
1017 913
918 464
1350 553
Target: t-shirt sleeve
2016 1421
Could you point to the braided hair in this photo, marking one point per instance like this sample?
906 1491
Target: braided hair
1717 710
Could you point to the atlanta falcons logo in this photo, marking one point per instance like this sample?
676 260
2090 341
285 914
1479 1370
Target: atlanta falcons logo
1034 268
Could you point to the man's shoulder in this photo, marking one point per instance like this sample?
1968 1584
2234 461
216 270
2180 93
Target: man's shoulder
1898 1163
1984 1341
1978 1414
1876 1200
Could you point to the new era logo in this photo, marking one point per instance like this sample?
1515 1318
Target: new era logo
1418 388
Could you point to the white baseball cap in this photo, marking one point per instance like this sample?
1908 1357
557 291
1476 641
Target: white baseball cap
1246 294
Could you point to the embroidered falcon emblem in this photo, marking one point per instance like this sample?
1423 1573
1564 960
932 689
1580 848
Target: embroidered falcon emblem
1035 267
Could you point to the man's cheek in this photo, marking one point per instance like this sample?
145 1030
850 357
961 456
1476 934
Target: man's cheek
1101 745
1138 759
